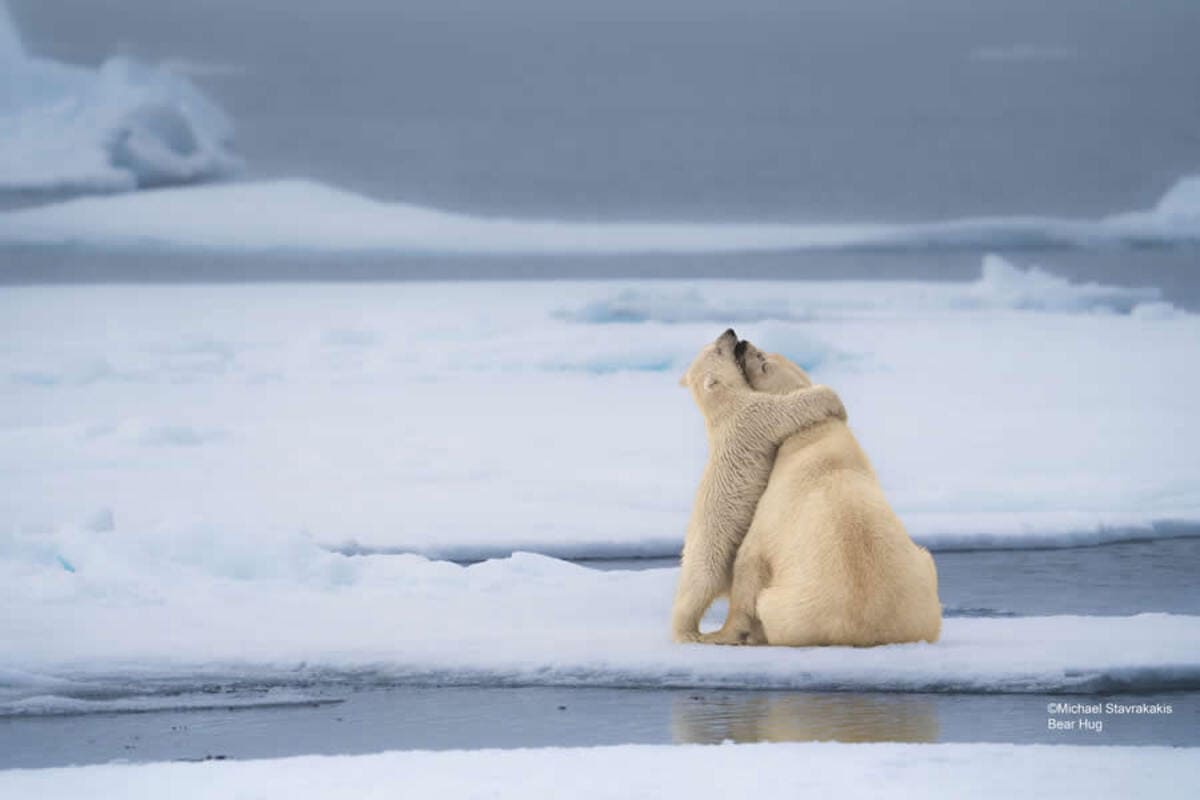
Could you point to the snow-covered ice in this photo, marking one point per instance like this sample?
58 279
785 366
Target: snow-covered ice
818 769
300 215
122 126
472 420
144 610
174 456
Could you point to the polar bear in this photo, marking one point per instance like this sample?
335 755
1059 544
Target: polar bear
826 561
744 429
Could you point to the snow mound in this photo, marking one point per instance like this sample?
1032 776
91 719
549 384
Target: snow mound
298 215
1003 285
123 126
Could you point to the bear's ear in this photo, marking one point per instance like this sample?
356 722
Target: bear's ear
710 382
683 380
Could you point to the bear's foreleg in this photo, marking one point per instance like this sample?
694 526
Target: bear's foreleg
742 626
702 579
768 419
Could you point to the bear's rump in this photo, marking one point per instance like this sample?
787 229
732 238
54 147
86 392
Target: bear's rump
844 572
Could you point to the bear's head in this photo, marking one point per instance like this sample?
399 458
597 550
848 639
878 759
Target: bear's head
713 373
769 372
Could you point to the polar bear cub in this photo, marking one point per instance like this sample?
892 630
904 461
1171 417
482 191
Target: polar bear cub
744 429
826 561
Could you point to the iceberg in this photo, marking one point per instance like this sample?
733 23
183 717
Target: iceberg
125 125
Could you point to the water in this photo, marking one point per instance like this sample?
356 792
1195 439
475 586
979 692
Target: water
674 109
698 109
1172 271
441 718
1112 579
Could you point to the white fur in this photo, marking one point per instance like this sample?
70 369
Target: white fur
826 561
744 429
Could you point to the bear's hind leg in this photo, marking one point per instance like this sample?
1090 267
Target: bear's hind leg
789 620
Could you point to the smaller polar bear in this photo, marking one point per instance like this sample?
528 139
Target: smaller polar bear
744 429
826 561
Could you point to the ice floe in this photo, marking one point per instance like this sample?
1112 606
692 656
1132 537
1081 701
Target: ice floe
139 609
174 456
469 420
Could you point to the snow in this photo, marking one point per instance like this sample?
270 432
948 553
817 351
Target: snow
300 215
644 771
122 126
1014 411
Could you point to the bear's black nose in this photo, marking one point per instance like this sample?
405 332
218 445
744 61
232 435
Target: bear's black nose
728 334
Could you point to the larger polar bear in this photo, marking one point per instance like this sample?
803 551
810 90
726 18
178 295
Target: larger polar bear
826 561
744 429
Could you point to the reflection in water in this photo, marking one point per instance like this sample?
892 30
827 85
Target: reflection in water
799 717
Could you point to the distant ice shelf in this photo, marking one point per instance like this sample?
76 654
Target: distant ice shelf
301 215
